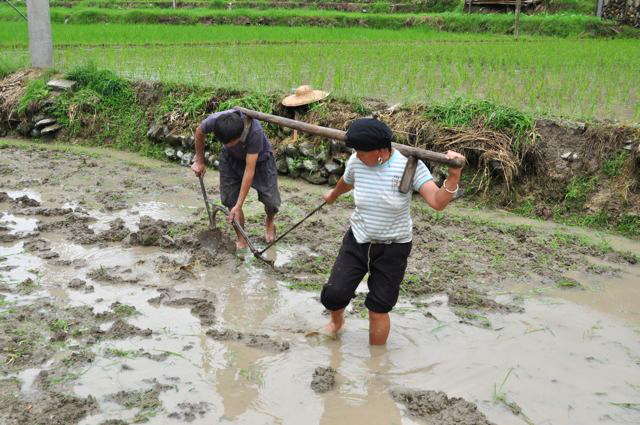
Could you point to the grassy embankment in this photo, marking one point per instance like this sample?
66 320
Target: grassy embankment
106 110
560 25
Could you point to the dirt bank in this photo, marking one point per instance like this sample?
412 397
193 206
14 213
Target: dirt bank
571 172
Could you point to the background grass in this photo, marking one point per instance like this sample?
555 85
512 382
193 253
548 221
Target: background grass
561 25
580 79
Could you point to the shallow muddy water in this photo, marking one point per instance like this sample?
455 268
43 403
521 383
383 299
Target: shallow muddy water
99 325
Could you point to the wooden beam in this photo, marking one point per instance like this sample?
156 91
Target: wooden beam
332 133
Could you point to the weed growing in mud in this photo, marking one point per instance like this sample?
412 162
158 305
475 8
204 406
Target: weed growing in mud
592 332
125 310
117 352
252 374
568 283
59 325
306 285
500 396
472 318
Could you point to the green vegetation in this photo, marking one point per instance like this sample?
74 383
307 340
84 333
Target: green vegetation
482 113
613 165
36 91
561 25
537 77
105 107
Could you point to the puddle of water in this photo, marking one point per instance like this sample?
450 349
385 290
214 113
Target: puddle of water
25 264
18 193
617 296
19 224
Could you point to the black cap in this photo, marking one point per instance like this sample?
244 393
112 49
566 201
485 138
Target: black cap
368 134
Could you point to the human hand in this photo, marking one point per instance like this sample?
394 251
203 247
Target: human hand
329 197
455 172
199 168
234 213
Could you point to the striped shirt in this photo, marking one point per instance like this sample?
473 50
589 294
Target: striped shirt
382 212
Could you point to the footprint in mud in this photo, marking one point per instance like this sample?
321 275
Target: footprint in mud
263 342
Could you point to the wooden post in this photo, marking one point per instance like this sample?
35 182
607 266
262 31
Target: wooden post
516 31
407 177
332 133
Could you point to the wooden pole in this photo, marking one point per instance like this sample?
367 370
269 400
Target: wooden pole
332 133
517 24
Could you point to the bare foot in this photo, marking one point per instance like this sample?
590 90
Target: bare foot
241 244
331 329
270 233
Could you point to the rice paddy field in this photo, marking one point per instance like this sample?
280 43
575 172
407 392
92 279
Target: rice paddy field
576 78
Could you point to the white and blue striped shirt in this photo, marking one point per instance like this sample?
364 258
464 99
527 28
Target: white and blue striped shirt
382 212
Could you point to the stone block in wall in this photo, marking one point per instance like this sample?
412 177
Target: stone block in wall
334 167
310 165
317 177
281 165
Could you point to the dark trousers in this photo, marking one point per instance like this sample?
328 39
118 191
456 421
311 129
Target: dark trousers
265 181
385 263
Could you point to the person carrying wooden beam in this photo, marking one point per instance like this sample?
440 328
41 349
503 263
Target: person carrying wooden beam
379 239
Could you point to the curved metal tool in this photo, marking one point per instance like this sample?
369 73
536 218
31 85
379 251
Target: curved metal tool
240 230
236 225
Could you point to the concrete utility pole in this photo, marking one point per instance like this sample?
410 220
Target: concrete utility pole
40 44
599 8
517 24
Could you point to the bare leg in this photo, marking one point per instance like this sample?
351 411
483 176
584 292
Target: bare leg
240 242
379 326
270 224
337 320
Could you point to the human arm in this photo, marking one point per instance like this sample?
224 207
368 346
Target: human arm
247 178
198 164
341 188
438 197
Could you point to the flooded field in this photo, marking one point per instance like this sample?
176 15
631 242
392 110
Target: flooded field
111 313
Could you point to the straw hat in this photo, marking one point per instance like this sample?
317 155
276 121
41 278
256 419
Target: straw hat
304 95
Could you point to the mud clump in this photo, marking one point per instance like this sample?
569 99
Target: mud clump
122 330
25 201
263 342
41 248
45 211
188 411
49 408
111 201
147 401
201 301
438 409
80 285
173 269
324 379
112 275
116 233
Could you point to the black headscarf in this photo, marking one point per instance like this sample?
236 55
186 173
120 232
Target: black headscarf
368 134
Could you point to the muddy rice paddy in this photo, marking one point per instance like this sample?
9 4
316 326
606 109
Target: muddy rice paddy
110 313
